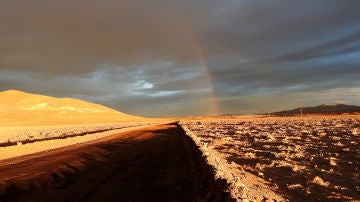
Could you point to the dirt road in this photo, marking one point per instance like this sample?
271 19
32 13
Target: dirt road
158 163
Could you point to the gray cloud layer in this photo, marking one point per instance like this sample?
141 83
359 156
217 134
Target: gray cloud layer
142 57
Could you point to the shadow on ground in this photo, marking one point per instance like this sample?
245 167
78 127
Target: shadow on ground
157 164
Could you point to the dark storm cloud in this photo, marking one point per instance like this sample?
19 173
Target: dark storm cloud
140 57
77 36
346 45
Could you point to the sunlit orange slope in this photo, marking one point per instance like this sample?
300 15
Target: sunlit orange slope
20 108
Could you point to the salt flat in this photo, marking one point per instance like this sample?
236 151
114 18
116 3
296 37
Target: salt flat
313 158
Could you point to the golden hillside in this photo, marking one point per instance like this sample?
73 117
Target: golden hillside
20 108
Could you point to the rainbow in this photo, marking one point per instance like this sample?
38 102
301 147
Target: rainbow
205 67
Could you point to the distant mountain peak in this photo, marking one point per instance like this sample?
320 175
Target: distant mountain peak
325 105
322 109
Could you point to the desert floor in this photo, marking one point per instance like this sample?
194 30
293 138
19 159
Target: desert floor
314 158
156 163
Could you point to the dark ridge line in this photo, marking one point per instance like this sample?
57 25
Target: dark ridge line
27 141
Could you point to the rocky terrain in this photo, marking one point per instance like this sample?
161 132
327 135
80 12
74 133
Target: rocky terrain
310 159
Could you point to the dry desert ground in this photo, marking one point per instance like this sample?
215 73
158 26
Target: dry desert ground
315 158
19 141
143 163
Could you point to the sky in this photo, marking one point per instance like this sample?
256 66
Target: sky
163 58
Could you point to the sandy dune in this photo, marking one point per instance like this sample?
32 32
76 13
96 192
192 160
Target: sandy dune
24 109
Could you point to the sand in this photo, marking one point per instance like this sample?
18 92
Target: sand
25 109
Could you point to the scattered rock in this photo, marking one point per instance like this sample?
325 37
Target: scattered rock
241 185
332 161
319 181
250 155
271 138
295 168
294 186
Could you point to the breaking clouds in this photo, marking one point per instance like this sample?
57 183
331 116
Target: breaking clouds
141 57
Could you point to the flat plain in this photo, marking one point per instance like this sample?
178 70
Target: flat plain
314 158
153 163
